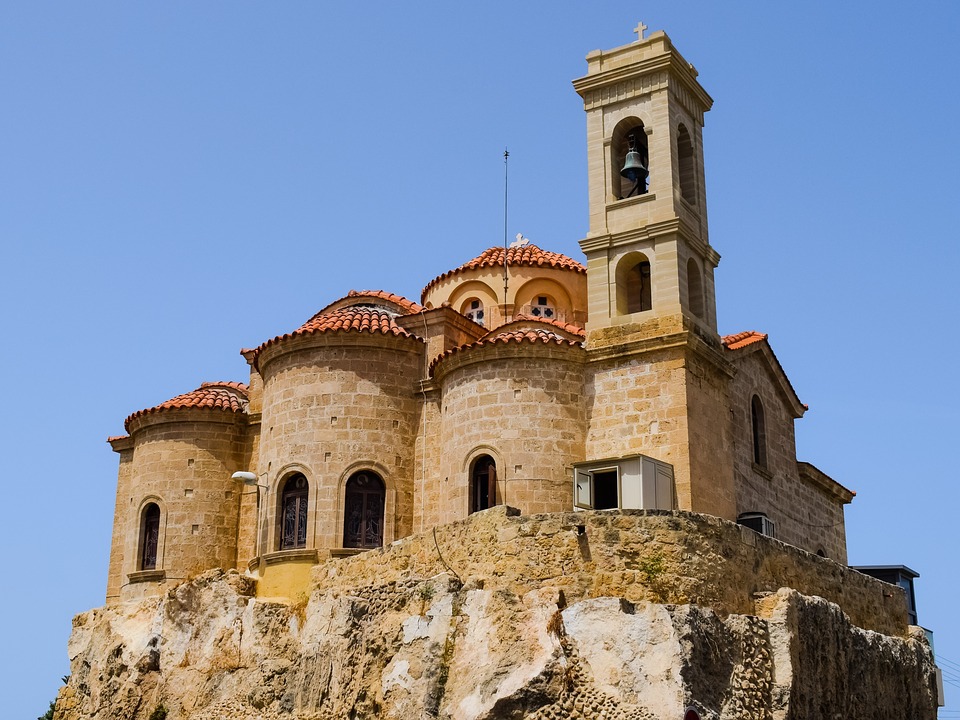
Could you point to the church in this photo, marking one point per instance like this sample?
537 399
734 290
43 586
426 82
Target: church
523 377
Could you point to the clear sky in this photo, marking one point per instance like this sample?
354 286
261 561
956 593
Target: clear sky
182 179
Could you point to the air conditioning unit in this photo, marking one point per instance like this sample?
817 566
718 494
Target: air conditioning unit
758 522
635 482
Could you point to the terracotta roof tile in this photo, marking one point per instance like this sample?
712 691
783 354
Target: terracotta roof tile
565 326
528 255
539 335
114 438
226 396
352 319
742 339
348 319
408 307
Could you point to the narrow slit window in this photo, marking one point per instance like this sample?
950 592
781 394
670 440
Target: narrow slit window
759 432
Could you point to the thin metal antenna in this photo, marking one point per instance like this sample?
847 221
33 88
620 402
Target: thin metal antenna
506 155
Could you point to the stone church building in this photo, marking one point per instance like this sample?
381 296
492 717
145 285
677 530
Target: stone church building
522 377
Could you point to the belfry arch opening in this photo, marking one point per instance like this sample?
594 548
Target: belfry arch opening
363 511
483 483
685 166
695 289
634 284
629 134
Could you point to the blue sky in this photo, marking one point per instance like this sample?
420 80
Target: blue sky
179 180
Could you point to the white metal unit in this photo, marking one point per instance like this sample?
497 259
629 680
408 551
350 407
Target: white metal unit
635 482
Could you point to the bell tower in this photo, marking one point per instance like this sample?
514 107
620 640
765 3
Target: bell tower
654 354
649 261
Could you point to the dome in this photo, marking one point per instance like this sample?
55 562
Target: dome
225 396
528 256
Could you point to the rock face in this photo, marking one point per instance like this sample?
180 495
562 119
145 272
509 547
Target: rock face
484 646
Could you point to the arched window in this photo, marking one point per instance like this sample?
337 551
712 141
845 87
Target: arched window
695 288
688 182
473 309
293 512
759 432
363 511
543 307
634 286
149 536
483 484
629 136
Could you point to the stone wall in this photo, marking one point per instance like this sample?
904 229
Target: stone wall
181 460
332 405
707 405
521 404
524 633
118 541
805 516
638 405
660 556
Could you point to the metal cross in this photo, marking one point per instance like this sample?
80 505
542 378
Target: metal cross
639 30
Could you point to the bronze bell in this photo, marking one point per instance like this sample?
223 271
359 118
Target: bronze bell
633 167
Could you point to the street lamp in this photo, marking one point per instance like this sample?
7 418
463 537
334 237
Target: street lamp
251 480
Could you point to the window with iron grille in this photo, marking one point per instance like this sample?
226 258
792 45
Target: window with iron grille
149 536
363 511
293 513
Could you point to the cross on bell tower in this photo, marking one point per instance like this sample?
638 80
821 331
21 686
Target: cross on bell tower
649 261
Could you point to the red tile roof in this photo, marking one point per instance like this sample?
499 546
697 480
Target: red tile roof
225 396
742 339
565 326
528 255
539 335
345 320
407 306
352 319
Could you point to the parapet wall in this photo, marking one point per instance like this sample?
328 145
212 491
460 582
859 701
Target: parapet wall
659 556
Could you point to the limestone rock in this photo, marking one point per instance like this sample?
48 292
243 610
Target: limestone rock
436 648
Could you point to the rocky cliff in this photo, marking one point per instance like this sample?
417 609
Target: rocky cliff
464 644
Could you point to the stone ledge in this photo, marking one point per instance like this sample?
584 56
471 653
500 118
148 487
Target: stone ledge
284 556
147 576
346 552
